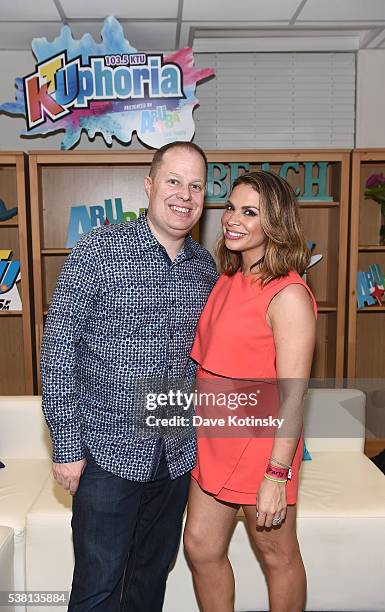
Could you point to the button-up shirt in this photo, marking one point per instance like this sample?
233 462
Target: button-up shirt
122 313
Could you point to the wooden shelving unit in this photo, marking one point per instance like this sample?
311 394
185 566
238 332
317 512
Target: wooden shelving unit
60 180
365 339
366 326
16 352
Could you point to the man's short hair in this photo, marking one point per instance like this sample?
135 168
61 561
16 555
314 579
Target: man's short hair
178 144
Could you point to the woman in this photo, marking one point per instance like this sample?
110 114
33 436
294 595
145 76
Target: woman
259 323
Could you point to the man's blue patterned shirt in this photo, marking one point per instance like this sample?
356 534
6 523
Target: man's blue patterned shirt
122 312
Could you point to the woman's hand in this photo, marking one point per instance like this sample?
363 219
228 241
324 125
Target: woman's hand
271 503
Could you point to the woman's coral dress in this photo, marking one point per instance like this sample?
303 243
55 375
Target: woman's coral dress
233 345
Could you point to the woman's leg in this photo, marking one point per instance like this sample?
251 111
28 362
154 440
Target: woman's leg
281 560
206 538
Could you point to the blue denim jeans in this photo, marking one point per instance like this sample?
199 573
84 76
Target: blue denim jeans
126 536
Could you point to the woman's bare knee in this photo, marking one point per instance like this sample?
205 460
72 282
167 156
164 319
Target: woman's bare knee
200 549
276 554
278 547
208 527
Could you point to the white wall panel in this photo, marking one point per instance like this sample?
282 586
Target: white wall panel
371 98
280 100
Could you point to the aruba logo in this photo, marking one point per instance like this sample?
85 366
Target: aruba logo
9 271
84 218
9 275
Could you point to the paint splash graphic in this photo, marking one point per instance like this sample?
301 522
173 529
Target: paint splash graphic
171 117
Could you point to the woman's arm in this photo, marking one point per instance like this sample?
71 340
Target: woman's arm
293 323
291 317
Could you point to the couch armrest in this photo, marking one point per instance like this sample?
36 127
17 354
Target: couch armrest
335 420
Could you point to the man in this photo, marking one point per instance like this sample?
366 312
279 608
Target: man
125 310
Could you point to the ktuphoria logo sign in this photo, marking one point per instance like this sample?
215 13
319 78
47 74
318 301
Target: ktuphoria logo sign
108 88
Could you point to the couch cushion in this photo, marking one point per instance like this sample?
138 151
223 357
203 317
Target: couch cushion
341 484
53 502
20 484
6 533
49 550
23 431
6 560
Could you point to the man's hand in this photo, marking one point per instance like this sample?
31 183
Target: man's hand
68 474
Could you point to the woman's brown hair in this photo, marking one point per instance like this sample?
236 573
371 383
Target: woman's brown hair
286 248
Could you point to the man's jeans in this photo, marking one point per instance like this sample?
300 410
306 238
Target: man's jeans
126 536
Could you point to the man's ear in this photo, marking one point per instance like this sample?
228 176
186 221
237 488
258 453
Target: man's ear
147 185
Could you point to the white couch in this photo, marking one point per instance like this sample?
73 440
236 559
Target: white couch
341 513
6 562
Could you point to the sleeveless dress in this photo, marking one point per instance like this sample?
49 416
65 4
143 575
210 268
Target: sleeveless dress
234 341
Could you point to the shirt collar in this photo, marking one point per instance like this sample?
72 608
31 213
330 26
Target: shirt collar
189 247
147 239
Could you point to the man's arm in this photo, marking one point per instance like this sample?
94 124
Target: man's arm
71 306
